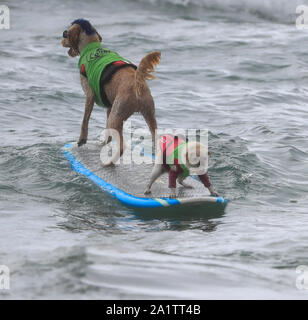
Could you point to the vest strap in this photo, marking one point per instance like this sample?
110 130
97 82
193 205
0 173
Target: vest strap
106 76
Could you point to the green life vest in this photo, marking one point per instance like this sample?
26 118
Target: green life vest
173 158
95 58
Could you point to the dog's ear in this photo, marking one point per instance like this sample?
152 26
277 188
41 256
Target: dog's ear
99 36
73 37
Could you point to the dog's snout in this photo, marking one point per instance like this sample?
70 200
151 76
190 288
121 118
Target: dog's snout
65 35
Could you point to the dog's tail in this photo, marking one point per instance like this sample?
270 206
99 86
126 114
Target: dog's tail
145 69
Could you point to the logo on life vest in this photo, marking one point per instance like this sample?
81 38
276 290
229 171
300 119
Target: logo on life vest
99 52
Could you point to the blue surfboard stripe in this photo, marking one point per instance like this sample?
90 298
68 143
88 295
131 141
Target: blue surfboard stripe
119 194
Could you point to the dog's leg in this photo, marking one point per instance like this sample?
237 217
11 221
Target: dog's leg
120 143
88 110
157 171
148 112
149 117
104 139
108 113
213 192
184 184
85 123
115 122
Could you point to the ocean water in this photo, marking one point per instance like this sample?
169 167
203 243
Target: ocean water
238 68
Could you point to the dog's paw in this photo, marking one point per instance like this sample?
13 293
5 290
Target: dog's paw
214 194
186 185
172 193
147 191
81 142
109 164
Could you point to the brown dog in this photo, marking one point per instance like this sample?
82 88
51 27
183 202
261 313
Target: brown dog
110 81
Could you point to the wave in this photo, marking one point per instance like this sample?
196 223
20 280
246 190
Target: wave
283 11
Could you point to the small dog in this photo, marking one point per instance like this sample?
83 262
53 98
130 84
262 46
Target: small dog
110 81
180 159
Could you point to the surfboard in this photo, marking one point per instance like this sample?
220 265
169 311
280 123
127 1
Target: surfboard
126 182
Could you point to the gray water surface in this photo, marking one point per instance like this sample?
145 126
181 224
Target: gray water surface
236 68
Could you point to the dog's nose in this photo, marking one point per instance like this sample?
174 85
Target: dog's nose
65 34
